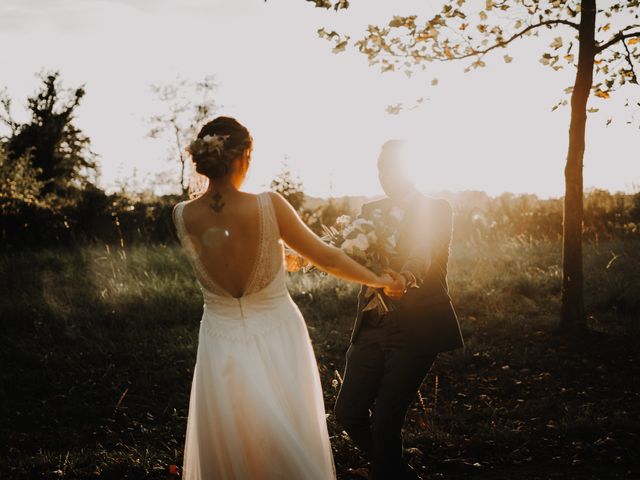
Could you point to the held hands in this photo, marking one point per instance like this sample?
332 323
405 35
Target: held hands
393 284
382 281
398 287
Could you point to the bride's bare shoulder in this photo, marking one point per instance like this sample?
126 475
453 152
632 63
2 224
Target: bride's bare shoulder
187 209
282 208
180 205
277 199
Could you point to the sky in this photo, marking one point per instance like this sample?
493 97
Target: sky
322 113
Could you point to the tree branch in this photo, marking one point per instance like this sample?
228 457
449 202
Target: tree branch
620 36
472 52
515 36
634 78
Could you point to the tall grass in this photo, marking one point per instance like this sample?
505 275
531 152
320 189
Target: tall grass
98 346
80 330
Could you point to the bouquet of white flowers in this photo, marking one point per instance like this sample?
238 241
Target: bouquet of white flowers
369 241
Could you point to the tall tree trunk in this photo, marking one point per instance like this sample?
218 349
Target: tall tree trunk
573 311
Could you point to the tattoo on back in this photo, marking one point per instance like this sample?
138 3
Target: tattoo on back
217 205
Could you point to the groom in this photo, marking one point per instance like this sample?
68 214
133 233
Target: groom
391 353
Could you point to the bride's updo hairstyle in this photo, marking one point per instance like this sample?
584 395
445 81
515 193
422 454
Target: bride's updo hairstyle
219 143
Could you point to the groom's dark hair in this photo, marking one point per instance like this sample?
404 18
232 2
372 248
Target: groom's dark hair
389 153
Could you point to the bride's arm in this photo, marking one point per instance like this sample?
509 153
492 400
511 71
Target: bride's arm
330 259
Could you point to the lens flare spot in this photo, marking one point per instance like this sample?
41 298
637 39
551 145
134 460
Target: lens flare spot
215 237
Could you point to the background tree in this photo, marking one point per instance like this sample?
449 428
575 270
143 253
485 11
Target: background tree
607 52
289 187
187 104
57 150
19 184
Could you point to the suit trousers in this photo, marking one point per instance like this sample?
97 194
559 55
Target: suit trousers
380 382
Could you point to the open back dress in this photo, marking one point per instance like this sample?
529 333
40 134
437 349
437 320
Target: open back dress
256 409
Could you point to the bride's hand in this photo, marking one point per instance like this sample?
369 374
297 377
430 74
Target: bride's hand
383 281
398 287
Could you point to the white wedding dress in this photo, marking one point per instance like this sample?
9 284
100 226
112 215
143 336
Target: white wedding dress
256 409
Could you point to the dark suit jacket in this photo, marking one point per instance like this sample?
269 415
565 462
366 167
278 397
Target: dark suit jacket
424 314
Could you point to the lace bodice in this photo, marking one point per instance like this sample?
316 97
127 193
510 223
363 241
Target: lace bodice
269 259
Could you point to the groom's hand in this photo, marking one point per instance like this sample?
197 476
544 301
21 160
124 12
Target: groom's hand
399 286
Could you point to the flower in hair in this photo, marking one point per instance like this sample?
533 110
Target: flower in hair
208 144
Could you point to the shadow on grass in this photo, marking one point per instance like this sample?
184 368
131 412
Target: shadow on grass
98 350
99 345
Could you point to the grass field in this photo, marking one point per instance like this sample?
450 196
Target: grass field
98 346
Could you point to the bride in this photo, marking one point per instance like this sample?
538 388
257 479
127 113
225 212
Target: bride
256 409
